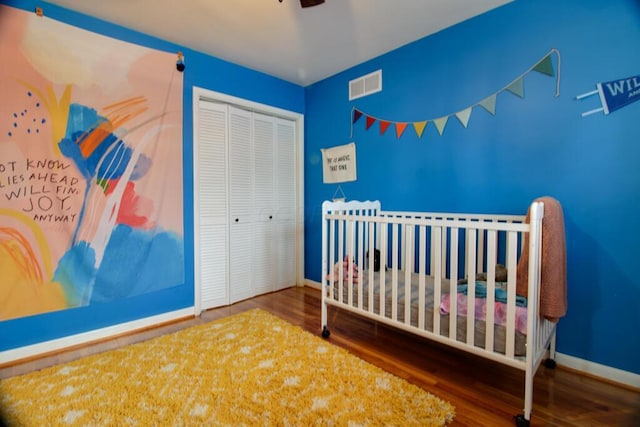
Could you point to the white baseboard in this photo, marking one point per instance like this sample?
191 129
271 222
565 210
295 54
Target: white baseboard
313 284
59 344
591 368
597 370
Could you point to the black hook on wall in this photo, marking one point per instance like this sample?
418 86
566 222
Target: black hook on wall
180 63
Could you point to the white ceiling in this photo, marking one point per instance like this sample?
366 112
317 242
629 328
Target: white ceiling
300 45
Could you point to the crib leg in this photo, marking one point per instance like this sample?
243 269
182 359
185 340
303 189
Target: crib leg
521 421
551 361
325 332
324 320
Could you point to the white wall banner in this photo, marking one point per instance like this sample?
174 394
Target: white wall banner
339 163
615 94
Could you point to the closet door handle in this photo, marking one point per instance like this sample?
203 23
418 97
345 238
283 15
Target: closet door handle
237 219
270 216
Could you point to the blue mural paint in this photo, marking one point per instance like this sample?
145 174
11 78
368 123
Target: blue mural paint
81 121
75 271
112 151
138 262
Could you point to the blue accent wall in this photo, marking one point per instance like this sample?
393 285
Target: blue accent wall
533 146
202 71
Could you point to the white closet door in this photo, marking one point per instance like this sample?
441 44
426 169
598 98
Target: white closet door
240 204
285 202
264 255
211 200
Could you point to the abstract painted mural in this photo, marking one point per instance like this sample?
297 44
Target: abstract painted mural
91 206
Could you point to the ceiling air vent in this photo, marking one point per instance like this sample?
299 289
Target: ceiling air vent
365 85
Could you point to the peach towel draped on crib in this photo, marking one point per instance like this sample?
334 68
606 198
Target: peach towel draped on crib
553 274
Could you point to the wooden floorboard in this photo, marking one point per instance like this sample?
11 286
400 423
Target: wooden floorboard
484 393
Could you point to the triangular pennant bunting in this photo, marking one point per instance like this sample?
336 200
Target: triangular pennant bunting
370 121
544 66
489 104
356 115
384 124
463 116
400 127
441 123
517 87
419 127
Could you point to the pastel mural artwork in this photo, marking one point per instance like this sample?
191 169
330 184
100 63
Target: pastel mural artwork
90 167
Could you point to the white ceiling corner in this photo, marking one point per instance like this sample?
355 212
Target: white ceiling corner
282 39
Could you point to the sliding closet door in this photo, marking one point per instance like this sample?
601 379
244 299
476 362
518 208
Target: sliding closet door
264 250
211 204
285 203
240 204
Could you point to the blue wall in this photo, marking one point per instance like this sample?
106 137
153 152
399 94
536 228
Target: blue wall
202 71
533 146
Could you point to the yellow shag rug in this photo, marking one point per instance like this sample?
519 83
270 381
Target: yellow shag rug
247 369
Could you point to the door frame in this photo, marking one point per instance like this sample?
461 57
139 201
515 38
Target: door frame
206 94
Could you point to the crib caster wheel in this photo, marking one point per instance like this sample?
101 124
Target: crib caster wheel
325 332
521 421
550 363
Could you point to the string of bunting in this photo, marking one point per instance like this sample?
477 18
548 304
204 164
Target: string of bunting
516 87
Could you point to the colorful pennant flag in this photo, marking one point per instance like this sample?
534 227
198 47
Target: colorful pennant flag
516 87
370 121
400 127
419 127
383 126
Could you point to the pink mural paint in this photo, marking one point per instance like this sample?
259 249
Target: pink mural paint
90 167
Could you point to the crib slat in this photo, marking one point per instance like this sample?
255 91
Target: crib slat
512 238
437 278
332 257
443 250
453 288
409 249
422 250
480 254
384 242
491 289
339 259
471 288
350 252
371 268
394 272
360 258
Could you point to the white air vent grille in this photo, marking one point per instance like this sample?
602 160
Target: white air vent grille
365 85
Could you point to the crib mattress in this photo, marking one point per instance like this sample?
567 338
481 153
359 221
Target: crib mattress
343 297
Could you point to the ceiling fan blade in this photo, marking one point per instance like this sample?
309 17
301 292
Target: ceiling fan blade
309 3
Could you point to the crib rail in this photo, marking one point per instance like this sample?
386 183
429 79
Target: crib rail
482 218
435 248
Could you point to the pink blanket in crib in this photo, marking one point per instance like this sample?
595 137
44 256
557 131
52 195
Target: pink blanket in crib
500 311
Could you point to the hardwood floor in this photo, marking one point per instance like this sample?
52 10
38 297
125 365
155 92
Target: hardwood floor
484 393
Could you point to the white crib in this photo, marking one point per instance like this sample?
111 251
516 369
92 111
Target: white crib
424 259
